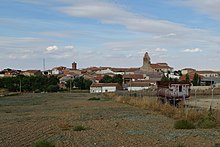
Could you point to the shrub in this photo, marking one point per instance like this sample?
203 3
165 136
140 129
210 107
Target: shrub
178 145
42 143
217 145
53 88
207 123
184 124
79 128
94 99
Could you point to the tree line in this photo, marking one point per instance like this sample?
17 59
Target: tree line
30 83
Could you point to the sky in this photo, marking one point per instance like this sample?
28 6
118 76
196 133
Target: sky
113 33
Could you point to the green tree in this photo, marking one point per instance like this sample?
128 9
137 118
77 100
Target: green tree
196 80
28 83
165 78
117 79
106 79
187 78
88 83
82 83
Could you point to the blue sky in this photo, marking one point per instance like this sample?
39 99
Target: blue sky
117 33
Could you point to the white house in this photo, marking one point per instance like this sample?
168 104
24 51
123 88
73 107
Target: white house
104 87
104 71
58 70
207 73
136 86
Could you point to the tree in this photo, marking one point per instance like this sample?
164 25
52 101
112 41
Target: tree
81 83
106 79
117 79
196 80
187 78
32 83
165 78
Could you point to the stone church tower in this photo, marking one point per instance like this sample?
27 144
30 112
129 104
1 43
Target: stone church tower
146 63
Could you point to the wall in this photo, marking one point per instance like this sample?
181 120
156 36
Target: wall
109 89
200 87
136 88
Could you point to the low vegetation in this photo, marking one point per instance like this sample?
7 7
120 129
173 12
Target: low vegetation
178 145
42 143
184 124
29 83
208 122
79 128
188 118
94 99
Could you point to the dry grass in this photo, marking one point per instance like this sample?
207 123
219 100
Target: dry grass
65 126
168 110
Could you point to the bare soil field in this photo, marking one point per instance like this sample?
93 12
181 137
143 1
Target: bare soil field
52 116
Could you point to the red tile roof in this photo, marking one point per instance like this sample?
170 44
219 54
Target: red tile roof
106 85
134 76
124 69
161 66
191 76
138 84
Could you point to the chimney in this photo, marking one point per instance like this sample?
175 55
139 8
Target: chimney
74 66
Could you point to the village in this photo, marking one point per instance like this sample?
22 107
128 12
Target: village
132 79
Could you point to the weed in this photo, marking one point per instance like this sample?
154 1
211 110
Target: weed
64 126
217 145
184 124
79 128
209 121
42 143
94 99
178 145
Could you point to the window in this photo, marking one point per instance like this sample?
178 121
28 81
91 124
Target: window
180 88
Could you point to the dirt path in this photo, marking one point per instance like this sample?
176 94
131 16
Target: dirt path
29 117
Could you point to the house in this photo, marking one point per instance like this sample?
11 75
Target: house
191 76
104 71
47 72
123 71
63 80
161 67
58 70
208 73
137 86
133 77
104 87
187 70
32 73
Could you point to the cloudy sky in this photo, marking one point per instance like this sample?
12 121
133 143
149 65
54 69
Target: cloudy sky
117 33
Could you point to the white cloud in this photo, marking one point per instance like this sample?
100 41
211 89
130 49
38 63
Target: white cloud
51 49
208 7
69 47
194 50
110 13
161 50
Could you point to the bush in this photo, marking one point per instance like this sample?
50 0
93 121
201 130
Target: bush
52 88
184 124
207 123
93 99
42 143
178 145
79 128
217 145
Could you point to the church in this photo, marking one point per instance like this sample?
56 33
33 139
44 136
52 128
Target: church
157 67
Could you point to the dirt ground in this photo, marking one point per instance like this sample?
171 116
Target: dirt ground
29 117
